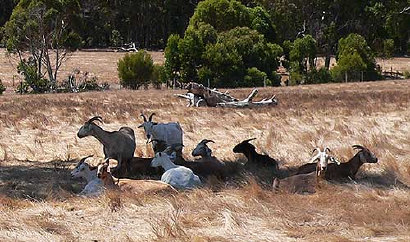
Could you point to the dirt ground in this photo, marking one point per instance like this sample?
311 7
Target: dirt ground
39 147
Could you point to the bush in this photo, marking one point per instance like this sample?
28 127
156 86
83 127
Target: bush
318 76
2 87
254 78
135 70
406 74
79 81
158 76
32 79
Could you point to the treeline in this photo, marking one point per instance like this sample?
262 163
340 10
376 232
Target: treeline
227 43
148 23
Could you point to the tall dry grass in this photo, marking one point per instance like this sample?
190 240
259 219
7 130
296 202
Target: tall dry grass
39 147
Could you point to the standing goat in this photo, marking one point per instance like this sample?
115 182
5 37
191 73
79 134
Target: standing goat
83 170
253 157
179 177
170 133
304 183
118 145
345 170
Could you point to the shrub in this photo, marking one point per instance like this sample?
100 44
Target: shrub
32 79
318 76
254 78
158 76
135 70
406 74
2 87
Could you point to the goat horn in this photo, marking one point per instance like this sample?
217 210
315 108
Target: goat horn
247 141
315 150
327 148
85 158
143 116
150 117
96 118
205 141
358 147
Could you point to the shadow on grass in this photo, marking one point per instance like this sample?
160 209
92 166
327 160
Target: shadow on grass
38 181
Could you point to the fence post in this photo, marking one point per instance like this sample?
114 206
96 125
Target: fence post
264 81
361 76
209 83
346 76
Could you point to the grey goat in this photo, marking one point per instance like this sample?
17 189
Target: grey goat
118 145
203 150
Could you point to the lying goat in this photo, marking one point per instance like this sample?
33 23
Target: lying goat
253 157
344 170
118 145
179 177
303 183
132 186
84 170
203 150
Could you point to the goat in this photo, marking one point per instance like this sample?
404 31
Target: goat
171 133
203 150
345 170
83 170
119 145
303 183
179 177
206 166
128 185
253 157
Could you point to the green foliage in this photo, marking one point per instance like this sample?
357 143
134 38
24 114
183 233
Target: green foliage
236 52
318 76
116 39
254 78
172 59
32 79
135 70
223 15
158 76
388 48
2 87
354 57
406 74
303 51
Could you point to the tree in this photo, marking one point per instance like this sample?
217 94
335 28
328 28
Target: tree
172 59
158 76
355 57
41 29
135 70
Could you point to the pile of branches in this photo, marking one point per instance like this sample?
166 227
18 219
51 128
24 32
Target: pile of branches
200 96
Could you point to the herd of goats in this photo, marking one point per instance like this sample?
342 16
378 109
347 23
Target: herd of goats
169 171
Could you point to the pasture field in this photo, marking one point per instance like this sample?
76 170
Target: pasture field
39 147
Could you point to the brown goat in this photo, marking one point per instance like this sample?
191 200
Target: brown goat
132 186
302 183
344 170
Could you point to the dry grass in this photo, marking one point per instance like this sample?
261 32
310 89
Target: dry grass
39 146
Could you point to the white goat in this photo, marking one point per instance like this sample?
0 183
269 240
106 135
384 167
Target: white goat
323 158
171 133
179 177
84 170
